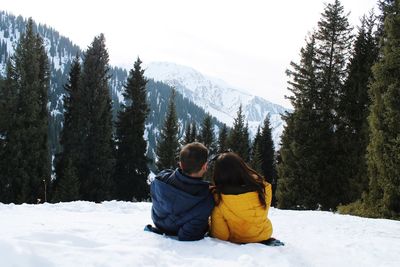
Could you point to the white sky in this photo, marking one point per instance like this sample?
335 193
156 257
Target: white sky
247 43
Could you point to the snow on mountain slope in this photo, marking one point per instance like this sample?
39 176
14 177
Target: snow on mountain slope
217 97
111 234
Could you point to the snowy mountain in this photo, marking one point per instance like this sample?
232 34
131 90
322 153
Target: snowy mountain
111 234
217 97
61 51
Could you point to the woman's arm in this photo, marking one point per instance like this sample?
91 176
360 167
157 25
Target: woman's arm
219 227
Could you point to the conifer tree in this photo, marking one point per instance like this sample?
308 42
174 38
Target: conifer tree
98 159
67 185
131 165
26 158
238 139
188 134
267 155
267 151
193 133
256 158
300 169
207 134
168 142
353 112
8 111
384 122
223 139
311 149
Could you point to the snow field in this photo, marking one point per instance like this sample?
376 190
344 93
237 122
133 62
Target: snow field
111 234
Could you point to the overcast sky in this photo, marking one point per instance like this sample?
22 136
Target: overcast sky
247 43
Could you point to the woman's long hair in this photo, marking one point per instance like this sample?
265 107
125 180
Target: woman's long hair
231 171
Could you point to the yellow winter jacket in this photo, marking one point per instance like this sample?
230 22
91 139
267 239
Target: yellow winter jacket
241 218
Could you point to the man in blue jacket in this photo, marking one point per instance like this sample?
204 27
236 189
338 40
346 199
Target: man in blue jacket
182 201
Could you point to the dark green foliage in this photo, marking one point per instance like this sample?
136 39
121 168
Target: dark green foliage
267 152
98 154
193 133
188 132
311 173
68 185
302 161
384 122
168 144
206 136
223 139
256 158
131 165
238 139
26 159
353 112
72 139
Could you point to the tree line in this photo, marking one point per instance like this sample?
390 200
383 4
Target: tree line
98 159
340 146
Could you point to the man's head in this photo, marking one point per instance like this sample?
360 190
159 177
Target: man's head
193 159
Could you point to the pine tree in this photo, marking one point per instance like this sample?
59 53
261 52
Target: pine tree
266 152
223 139
256 158
67 184
384 122
334 41
353 112
207 134
131 165
193 134
238 139
26 158
8 111
300 168
188 134
98 159
168 144
310 172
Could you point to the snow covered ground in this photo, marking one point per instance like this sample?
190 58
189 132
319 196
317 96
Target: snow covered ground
111 234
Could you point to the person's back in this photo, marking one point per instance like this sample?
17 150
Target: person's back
243 200
182 202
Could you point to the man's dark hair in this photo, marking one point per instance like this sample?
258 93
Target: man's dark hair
192 157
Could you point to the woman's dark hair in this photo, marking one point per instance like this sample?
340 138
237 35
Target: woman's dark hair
231 171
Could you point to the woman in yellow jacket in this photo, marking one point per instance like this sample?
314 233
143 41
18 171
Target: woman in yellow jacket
242 201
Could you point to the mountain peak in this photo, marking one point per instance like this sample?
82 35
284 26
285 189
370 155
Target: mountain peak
217 97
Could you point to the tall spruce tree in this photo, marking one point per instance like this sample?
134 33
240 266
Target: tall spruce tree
26 157
207 134
95 173
168 142
223 139
238 139
301 167
317 86
334 42
256 158
131 164
384 122
266 150
353 112
193 133
188 134
66 185
8 112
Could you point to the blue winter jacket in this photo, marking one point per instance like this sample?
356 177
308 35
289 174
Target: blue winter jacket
181 205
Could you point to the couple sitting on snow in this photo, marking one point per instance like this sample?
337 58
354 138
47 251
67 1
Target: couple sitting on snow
238 202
